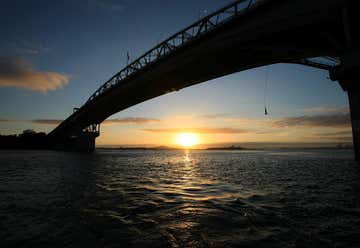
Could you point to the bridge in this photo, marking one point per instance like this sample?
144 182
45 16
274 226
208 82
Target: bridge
243 35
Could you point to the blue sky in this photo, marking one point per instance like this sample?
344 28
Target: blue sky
80 44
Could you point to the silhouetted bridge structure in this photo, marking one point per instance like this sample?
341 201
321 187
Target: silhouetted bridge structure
243 35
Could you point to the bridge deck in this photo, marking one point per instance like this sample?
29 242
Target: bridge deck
243 35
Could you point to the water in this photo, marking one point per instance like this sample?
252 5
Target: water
112 198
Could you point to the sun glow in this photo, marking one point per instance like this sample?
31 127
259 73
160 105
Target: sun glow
187 139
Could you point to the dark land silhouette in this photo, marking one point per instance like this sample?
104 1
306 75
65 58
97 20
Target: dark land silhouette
28 139
233 147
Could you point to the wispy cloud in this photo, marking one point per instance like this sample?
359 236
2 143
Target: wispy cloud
47 121
327 110
346 133
6 120
16 72
223 130
30 47
319 138
335 136
131 120
121 121
26 46
346 139
36 121
215 116
330 120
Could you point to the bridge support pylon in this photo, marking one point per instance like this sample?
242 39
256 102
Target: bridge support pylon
78 140
347 74
84 142
353 91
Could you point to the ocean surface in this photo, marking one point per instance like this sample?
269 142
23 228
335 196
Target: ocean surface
134 198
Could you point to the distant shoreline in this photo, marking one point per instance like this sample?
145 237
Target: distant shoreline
182 149
223 148
160 148
231 148
30 140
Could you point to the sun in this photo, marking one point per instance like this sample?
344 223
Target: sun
187 139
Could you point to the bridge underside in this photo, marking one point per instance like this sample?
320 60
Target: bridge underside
276 32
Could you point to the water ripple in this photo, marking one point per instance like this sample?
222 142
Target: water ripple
180 199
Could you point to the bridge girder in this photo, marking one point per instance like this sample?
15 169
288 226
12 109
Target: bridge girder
243 35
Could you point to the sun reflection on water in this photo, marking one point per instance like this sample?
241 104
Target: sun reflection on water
187 157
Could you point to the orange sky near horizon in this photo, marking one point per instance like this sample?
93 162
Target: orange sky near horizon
223 129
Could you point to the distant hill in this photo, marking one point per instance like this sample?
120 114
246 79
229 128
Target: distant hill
226 148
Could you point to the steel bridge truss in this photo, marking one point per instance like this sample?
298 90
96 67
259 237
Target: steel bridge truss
92 129
194 31
325 63
178 40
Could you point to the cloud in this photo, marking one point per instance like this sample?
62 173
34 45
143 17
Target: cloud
330 120
47 121
26 46
341 139
199 130
336 136
131 120
122 121
6 120
30 47
327 110
36 121
16 72
346 139
346 133
215 116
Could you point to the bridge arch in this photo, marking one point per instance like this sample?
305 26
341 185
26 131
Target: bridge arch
242 35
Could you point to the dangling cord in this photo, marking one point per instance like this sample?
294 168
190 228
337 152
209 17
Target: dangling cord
265 91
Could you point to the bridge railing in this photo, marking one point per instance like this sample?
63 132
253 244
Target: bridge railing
176 41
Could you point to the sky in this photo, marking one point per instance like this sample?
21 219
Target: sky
55 54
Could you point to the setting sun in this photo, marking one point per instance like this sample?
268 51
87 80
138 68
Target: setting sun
187 139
